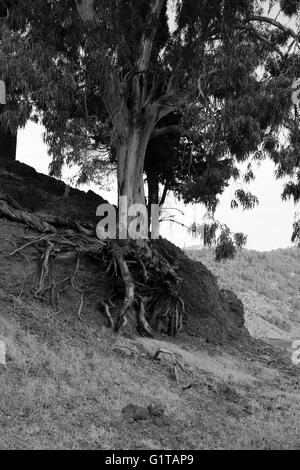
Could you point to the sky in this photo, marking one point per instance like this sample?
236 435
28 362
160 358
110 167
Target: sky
268 227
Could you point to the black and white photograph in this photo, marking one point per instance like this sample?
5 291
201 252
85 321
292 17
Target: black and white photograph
149 228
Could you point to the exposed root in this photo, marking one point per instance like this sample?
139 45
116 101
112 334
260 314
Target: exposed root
55 247
143 326
155 299
31 220
27 245
143 269
129 287
76 289
12 211
142 277
108 314
45 269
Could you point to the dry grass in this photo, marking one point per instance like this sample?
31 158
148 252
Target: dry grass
65 386
69 392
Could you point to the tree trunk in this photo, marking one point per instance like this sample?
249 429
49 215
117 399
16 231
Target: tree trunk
8 145
131 157
153 190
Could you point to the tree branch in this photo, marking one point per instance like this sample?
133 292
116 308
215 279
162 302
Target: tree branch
85 10
164 194
261 37
277 24
172 129
148 38
170 102
143 60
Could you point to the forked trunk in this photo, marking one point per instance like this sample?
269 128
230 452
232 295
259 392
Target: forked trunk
153 190
153 187
131 157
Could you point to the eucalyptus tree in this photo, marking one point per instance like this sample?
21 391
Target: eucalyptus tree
126 65
118 70
190 90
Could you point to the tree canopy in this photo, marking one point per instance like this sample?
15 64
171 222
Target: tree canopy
181 91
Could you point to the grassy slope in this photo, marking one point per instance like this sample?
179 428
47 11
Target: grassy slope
268 284
65 385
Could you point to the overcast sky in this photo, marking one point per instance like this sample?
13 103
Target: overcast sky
268 226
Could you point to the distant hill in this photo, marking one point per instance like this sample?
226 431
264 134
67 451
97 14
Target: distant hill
269 285
193 248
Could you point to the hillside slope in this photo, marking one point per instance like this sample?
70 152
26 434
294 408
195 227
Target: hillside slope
67 381
65 387
210 314
269 285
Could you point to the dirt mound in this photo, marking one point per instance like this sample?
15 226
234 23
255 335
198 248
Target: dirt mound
40 193
211 314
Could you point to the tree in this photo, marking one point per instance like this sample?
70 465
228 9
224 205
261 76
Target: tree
142 70
137 68
208 58
238 110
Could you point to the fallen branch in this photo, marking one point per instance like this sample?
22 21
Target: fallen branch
175 362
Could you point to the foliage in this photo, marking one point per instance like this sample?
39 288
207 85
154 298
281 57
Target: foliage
225 248
225 242
296 232
222 73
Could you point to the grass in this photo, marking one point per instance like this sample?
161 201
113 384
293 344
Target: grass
69 393
65 386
